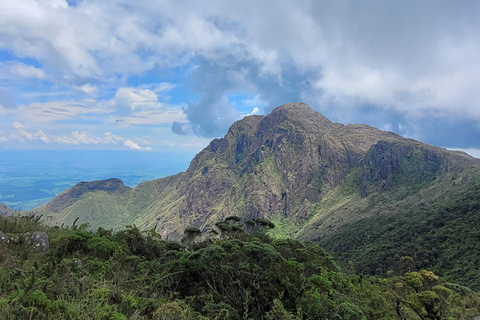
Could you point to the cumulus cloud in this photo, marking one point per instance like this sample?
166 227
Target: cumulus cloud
129 106
134 99
17 125
384 63
132 145
22 134
140 106
254 111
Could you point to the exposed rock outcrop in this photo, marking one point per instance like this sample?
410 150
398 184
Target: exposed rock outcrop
38 239
292 165
4 238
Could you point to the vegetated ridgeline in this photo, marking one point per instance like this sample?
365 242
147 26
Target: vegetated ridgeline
313 178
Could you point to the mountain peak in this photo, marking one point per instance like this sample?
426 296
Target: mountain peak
298 113
298 109
294 107
292 164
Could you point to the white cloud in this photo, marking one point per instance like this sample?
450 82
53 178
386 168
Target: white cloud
59 110
136 99
160 87
254 111
409 58
140 106
26 71
112 138
17 125
132 145
151 117
88 89
422 57
22 134
130 106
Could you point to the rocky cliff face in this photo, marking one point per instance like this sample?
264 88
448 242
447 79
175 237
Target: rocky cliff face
293 166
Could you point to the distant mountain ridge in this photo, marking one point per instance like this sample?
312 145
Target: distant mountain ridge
5 210
293 166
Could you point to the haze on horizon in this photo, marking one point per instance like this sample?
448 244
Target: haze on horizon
171 75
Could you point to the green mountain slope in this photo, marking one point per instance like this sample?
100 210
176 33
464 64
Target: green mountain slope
315 179
444 238
293 166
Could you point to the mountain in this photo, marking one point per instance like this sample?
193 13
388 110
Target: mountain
5 210
358 191
293 166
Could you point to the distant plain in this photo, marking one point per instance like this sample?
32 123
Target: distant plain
30 178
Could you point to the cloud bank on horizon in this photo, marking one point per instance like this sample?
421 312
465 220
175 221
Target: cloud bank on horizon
157 74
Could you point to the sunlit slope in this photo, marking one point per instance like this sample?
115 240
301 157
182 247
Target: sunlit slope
294 166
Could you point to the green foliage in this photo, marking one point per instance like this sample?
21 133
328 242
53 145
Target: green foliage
190 234
443 238
132 274
103 246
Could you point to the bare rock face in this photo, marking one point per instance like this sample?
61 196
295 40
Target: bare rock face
39 240
381 163
391 162
293 164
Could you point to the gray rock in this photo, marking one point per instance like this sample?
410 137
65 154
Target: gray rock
3 238
40 241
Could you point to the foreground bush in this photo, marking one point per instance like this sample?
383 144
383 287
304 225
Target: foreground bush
234 275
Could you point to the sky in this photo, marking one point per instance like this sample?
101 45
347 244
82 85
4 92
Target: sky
164 76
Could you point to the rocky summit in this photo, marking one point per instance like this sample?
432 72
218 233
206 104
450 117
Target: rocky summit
293 166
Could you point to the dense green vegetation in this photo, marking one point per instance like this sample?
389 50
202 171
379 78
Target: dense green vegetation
229 274
444 238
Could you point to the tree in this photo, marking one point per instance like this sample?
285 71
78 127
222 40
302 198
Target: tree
190 234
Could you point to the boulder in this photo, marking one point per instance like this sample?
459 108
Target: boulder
39 241
4 238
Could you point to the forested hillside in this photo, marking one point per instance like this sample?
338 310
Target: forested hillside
382 205
234 271
444 238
